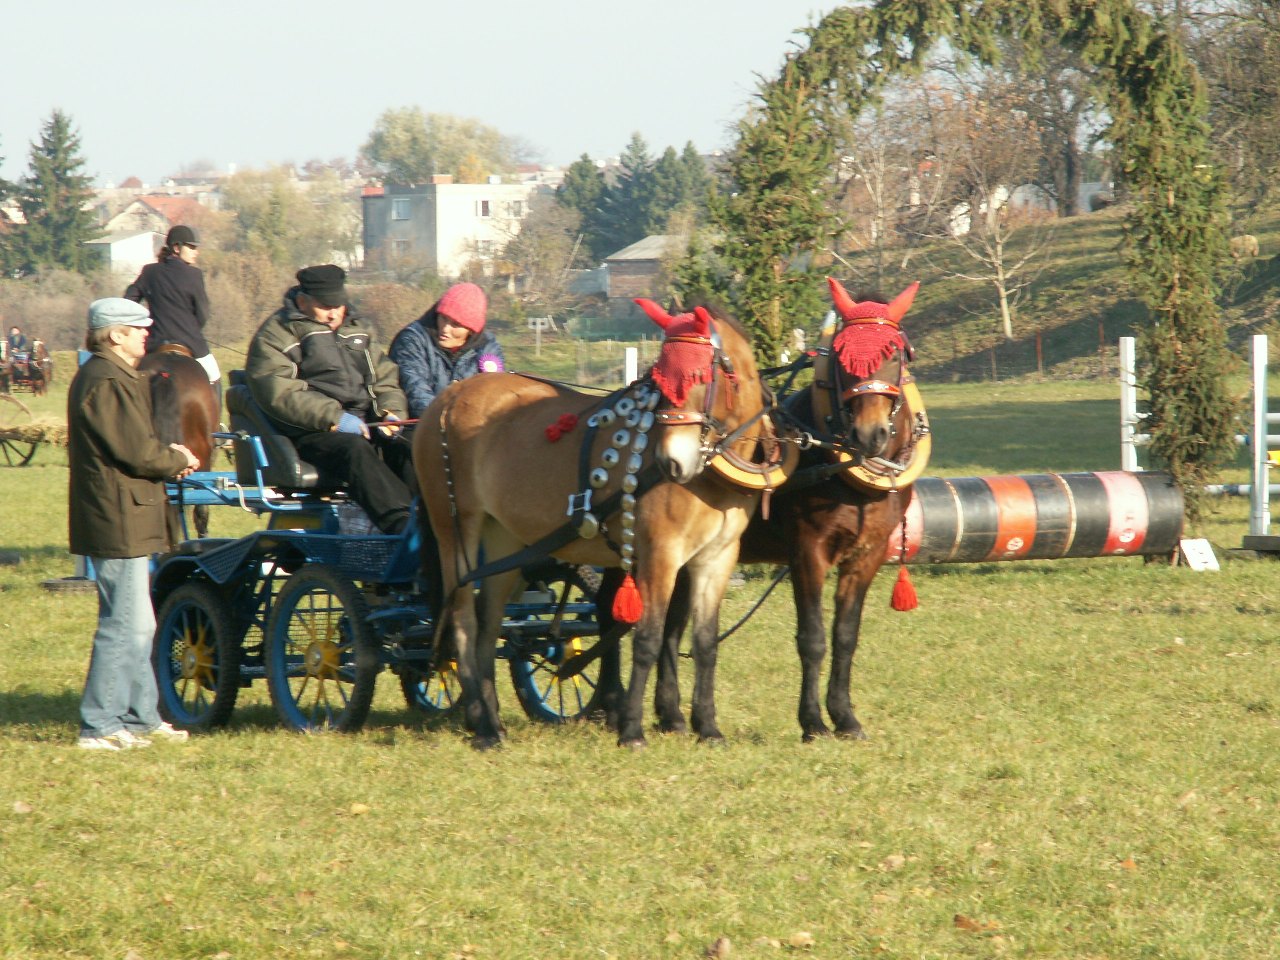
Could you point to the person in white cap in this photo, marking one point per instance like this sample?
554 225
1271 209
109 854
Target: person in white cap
117 520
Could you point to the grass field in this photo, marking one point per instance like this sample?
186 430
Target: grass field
1070 759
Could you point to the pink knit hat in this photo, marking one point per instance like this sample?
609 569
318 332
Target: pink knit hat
464 303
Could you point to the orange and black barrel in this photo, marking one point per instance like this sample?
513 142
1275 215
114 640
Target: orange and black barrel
1040 517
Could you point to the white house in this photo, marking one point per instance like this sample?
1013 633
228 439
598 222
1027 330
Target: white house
124 254
444 225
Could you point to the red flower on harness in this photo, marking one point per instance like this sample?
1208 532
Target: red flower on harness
687 354
870 334
563 425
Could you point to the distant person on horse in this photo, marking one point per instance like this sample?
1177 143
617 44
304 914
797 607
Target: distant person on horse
117 519
18 342
173 289
445 344
317 371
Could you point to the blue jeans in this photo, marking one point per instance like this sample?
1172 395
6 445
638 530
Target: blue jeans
120 690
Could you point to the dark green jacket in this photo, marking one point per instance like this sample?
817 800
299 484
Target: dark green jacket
305 376
117 501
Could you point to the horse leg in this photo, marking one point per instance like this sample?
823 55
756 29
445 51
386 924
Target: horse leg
808 574
666 697
611 634
708 580
656 587
493 598
461 621
200 519
851 591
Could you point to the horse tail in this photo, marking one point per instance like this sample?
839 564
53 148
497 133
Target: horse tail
166 411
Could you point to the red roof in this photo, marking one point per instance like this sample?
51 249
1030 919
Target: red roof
174 209
372 190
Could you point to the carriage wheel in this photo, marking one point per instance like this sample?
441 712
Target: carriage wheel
13 412
534 663
196 657
436 693
321 657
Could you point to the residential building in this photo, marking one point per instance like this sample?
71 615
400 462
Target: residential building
443 226
127 252
639 271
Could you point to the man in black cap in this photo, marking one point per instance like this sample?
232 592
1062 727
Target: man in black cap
316 369
173 290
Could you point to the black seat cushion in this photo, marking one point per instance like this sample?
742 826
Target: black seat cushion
284 468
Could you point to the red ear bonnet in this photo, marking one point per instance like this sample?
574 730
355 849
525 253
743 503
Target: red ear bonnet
870 334
687 353
869 311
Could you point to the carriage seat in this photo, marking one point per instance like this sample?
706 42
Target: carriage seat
284 469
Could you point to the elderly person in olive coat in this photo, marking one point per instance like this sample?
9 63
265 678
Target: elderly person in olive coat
117 520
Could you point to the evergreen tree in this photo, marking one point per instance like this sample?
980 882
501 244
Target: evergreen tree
580 192
697 179
668 189
778 219
583 183
54 197
624 214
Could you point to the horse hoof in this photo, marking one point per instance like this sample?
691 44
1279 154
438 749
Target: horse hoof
851 733
714 740
816 733
676 728
485 743
636 743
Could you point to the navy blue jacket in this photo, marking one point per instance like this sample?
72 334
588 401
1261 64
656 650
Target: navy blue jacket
174 293
426 369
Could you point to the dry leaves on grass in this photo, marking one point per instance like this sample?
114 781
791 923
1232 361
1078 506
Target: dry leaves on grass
21 807
720 949
961 922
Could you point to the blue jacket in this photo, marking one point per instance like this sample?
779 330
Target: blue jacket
425 369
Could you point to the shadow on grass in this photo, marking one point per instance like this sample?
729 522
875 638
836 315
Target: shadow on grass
25 708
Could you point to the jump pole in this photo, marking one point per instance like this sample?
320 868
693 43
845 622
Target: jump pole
1040 517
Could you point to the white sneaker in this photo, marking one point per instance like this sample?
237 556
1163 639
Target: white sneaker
120 740
169 733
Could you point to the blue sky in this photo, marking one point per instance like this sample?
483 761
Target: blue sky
153 87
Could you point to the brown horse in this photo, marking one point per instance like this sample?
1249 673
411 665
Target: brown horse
867 436
184 409
500 456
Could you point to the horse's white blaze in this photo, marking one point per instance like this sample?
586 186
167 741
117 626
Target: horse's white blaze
679 453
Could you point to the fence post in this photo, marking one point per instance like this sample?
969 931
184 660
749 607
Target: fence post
1128 405
1260 492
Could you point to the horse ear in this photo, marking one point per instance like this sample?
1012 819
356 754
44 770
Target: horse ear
705 318
840 297
902 303
654 312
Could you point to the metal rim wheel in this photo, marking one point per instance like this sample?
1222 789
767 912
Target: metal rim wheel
196 658
436 693
321 657
15 453
533 663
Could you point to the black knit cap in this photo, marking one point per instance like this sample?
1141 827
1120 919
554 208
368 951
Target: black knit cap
325 283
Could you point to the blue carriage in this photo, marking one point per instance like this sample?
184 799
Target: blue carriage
318 605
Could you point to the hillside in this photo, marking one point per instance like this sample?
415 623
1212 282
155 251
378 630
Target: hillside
1079 305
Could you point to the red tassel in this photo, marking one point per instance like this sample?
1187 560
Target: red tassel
627 605
904 592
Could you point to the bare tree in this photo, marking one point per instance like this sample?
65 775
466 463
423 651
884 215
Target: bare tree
996 163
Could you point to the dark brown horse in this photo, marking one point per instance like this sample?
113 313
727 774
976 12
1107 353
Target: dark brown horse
500 457
184 409
868 438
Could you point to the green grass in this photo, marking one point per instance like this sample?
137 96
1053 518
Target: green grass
1070 759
